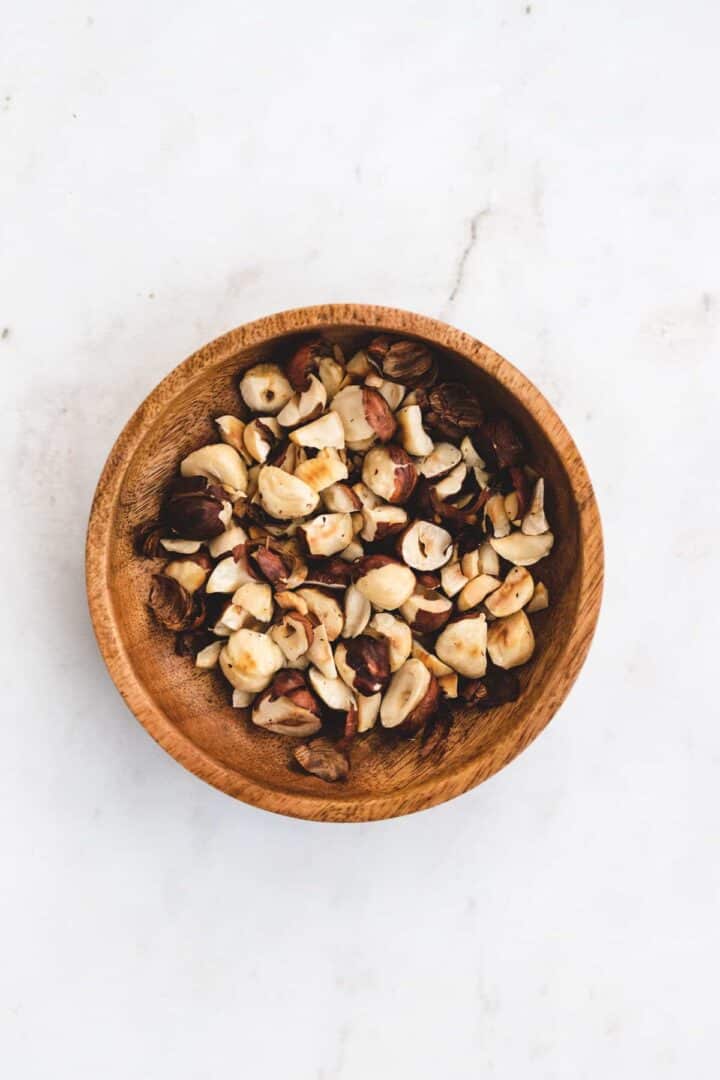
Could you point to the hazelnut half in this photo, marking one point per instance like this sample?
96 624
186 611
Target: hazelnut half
322 759
463 645
523 550
264 388
385 582
515 592
389 473
510 641
425 546
219 463
426 610
284 496
410 699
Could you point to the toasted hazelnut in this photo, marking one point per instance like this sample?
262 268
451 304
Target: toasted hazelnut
449 685
473 461
367 497
523 550
515 592
284 496
499 442
293 634
233 618
476 590
432 662
410 699
231 430
327 534
226 541
255 597
260 437
304 405
331 375
404 361
454 409
452 483
173 606
368 710
540 598
442 460
148 539
325 608
426 610
241 699
336 694
190 572
392 392
288 707
462 645
320 654
193 509
386 585
357 612
397 634
230 573
378 414
381 521
359 364
322 471
453 579
250 659
329 572
510 641
425 546
495 513
413 436
353 551
277 562
496 688
326 431
218 463
291 601
364 663
534 523
340 499
322 759
389 473
264 389
181 547
487 560
349 405
208 658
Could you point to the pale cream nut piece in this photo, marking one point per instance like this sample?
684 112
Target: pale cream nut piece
515 592
218 463
463 646
511 641
523 550
397 634
265 389
284 496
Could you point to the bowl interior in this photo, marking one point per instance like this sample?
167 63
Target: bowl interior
196 705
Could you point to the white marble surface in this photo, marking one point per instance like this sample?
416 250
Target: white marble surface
169 170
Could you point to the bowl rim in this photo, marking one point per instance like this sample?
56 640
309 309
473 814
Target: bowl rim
432 790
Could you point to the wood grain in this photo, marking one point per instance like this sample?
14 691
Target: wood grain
189 712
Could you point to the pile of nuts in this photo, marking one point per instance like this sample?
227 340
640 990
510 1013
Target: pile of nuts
354 551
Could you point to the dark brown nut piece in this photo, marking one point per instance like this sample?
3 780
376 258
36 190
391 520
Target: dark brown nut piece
173 606
276 562
496 688
389 473
332 573
410 699
425 546
407 362
322 759
499 443
430 581
191 642
288 707
195 509
304 361
426 611
148 538
510 641
454 409
378 414
398 635
367 663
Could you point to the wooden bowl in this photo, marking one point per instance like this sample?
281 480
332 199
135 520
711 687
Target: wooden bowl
189 712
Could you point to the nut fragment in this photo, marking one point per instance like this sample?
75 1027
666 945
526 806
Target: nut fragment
453 579
381 521
397 634
433 663
340 499
231 431
426 610
260 436
523 550
173 606
349 405
387 585
364 663
327 534
331 375
473 461
250 659
304 405
389 473
265 389
218 463
323 760
256 598
510 641
425 546
499 442
207 658
495 513
323 471
320 653
391 391
449 685
194 509
534 523
413 436
443 458
181 547
287 707
284 496
325 608
227 540
357 612
515 592
368 710
336 694
476 590
191 572
454 409
404 361
462 645
293 634
410 699
452 483
326 431
230 573
378 414
540 598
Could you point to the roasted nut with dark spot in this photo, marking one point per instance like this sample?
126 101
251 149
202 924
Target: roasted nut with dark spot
322 759
364 663
378 414
453 409
408 362
173 606
195 509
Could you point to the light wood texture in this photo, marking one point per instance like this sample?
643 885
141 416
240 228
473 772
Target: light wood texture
189 712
